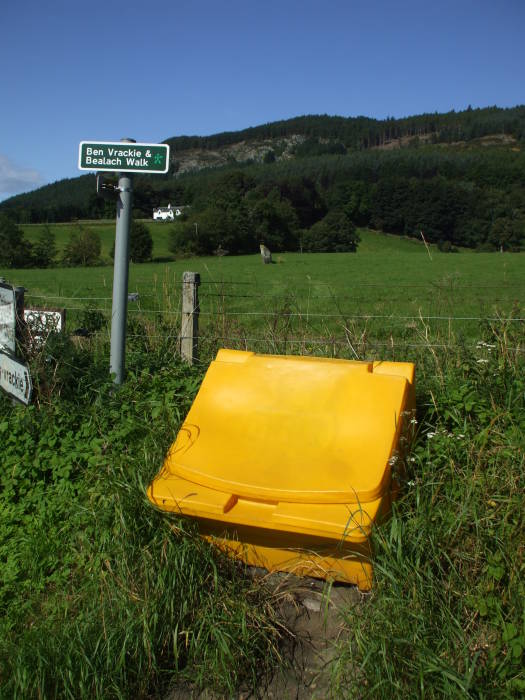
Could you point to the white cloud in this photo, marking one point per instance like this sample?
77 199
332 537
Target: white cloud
14 179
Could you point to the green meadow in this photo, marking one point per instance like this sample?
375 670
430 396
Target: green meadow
392 291
384 270
105 228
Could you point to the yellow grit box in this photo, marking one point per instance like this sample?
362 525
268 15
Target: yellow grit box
286 462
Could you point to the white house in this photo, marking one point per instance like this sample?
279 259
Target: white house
167 213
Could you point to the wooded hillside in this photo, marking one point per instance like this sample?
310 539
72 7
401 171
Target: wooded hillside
458 177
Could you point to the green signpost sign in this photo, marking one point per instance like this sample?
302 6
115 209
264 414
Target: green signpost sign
124 157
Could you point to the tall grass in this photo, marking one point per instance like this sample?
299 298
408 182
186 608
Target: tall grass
446 617
101 595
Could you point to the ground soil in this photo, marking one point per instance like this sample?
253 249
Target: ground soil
312 613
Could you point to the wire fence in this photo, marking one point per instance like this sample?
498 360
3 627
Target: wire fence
359 320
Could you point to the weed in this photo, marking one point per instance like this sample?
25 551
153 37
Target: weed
446 618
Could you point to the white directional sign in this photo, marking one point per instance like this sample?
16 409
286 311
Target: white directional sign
41 323
124 157
15 378
7 318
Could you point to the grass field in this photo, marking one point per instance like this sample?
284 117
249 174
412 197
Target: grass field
105 228
118 601
390 291
160 232
383 262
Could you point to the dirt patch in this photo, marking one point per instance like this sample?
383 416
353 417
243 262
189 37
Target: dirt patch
311 611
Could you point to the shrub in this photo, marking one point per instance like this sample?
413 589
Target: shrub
15 251
83 249
336 233
140 243
446 247
44 250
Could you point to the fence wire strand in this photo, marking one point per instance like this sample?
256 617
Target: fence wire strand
292 298
308 314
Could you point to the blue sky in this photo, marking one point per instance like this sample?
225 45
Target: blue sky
77 70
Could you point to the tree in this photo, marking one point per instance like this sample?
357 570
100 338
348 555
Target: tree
83 248
140 243
44 250
336 233
507 234
229 190
274 222
203 233
15 251
354 197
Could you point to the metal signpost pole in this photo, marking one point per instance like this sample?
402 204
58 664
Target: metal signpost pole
122 158
120 277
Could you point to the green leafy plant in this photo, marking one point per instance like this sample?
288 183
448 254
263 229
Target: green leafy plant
101 596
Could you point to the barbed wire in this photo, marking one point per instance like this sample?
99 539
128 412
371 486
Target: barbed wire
257 294
333 297
47 298
75 298
285 295
343 314
309 314
351 285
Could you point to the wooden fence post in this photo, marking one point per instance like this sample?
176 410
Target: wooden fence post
189 336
